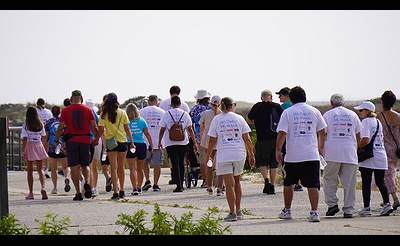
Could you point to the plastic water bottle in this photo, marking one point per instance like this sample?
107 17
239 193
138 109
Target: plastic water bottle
58 149
322 162
133 150
104 156
209 163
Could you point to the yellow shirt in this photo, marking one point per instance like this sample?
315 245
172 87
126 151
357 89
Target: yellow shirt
111 129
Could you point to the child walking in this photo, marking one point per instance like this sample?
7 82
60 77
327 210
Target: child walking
33 149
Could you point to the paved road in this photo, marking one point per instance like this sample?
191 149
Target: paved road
98 216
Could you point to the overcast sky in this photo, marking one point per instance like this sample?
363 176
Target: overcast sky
236 53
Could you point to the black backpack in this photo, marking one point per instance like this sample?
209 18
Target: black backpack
273 122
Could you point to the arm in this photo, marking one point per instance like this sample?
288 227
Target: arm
24 140
211 144
95 131
191 133
160 136
59 131
148 136
279 144
321 141
129 134
249 146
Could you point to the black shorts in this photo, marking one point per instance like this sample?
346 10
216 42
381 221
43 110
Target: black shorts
122 147
308 172
140 152
265 154
78 153
56 156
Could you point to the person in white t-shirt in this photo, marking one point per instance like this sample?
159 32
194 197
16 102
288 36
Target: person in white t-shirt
166 105
44 115
176 150
375 166
229 132
152 115
342 136
303 128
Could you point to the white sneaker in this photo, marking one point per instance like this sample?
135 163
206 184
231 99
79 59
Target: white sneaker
285 214
54 191
231 217
239 214
314 217
365 211
387 209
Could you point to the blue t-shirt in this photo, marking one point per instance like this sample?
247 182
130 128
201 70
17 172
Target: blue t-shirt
137 127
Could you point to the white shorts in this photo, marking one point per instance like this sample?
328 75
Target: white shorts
231 167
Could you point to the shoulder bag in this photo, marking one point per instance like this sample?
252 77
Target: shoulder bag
397 149
367 151
112 143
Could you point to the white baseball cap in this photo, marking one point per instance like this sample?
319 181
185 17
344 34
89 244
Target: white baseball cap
366 105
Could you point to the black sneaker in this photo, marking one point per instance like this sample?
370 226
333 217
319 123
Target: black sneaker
78 197
67 187
204 184
115 196
108 184
88 190
267 185
271 190
171 182
156 188
298 187
146 185
178 189
60 172
121 194
332 210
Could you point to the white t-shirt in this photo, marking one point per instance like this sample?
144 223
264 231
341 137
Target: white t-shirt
32 136
166 105
379 161
341 143
44 114
301 122
152 115
228 128
167 121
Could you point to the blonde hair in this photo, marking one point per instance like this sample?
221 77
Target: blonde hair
132 111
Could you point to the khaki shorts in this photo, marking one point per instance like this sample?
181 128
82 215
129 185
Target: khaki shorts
231 167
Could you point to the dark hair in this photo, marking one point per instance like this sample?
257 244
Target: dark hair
40 103
388 99
204 101
55 110
67 102
174 90
109 110
175 100
32 120
297 94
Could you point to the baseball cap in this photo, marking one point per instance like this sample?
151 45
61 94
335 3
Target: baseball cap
216 100
284 91
366 105
266 92
76 93
111 97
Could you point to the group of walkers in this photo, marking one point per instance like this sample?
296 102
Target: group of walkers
216 134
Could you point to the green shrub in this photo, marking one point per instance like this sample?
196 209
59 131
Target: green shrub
51 226
10 226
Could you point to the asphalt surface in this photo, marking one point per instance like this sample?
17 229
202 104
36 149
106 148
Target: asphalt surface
97 216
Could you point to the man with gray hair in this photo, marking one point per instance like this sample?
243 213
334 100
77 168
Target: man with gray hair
340 153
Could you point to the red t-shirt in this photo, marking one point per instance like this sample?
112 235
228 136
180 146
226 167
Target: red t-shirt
77 119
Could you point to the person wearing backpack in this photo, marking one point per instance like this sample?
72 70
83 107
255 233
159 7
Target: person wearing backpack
176 149
263 118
